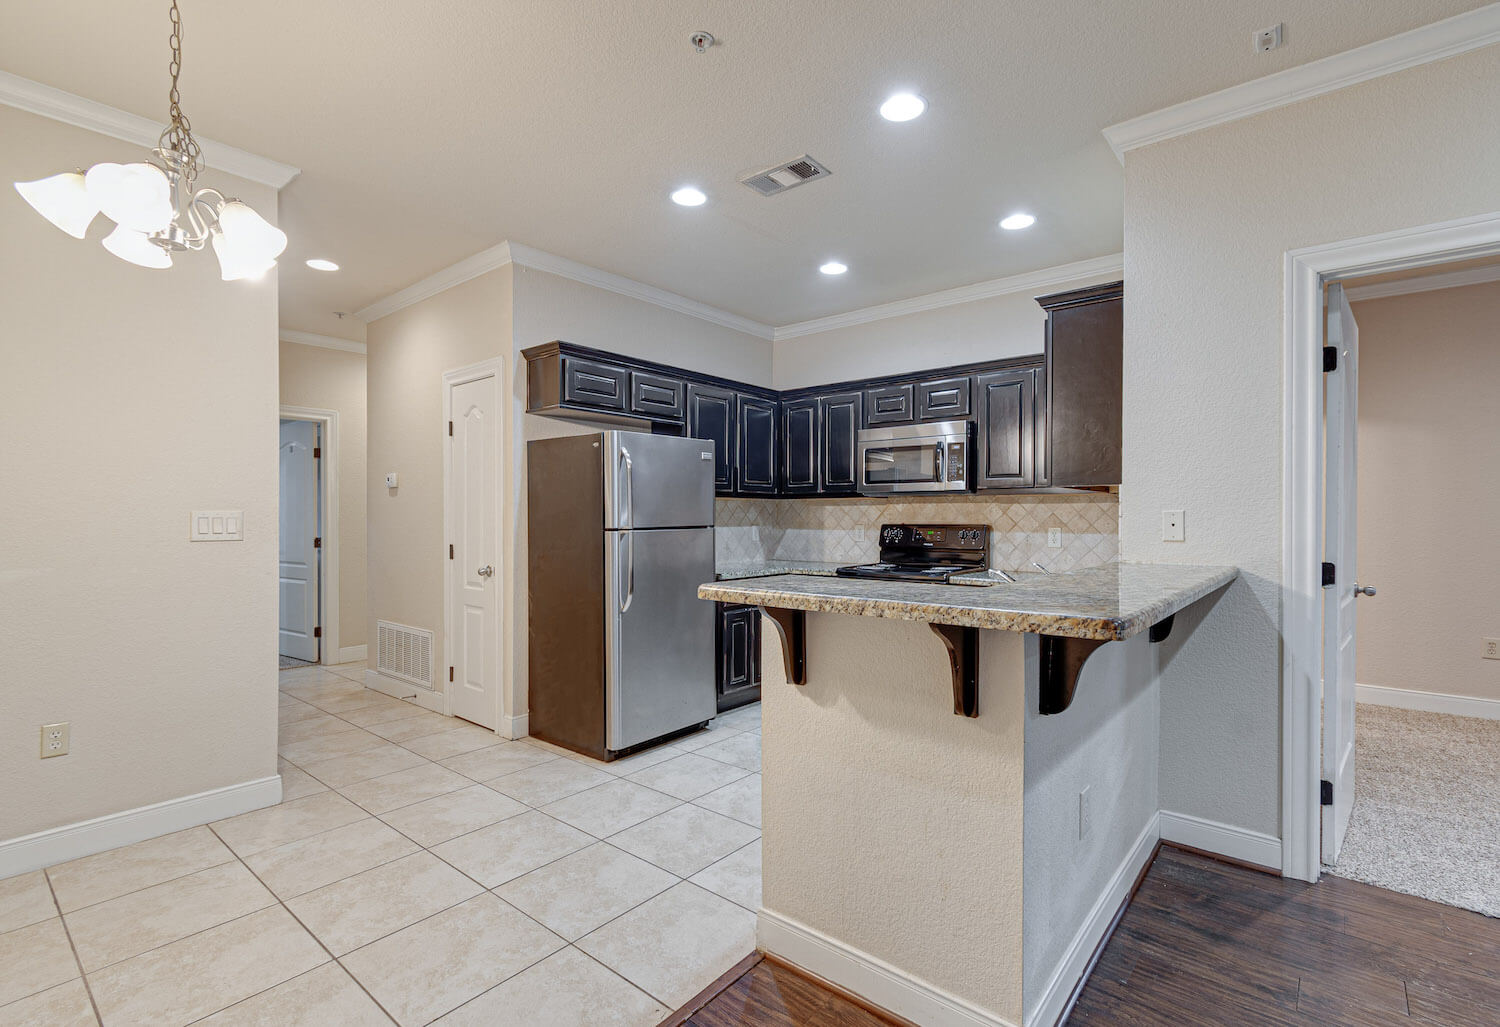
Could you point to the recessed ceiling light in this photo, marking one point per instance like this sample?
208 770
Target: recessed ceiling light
688 196
903 107
319 264
833 267
1016 222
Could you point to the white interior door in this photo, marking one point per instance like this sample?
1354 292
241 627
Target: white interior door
1341 405
474 621
299 529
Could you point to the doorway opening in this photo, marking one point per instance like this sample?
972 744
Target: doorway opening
1321 516
307 559
1424 724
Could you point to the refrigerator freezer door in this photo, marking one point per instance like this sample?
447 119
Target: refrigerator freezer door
657 481
659 655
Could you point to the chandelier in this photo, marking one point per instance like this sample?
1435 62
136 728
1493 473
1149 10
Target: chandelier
154 206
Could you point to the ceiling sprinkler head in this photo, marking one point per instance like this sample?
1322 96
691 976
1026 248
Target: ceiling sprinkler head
702 41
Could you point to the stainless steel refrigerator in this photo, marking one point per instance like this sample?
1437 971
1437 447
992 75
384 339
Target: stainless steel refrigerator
619 537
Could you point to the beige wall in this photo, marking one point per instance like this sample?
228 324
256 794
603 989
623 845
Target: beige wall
1208 219
1011 325
330 379
1429 489
128 398
409 351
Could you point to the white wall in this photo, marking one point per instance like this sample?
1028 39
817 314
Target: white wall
1208 219
330 379
1429 489
1010 325
129 397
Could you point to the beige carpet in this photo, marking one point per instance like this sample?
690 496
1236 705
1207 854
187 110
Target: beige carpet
1426 807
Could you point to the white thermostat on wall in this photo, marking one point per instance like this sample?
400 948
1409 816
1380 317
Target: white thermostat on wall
390 480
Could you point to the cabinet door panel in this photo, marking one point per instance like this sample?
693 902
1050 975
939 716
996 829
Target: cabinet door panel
838 427
1084 373
799 446
712 416
888 404
1007 429
593 384
655 396
943 399
755 473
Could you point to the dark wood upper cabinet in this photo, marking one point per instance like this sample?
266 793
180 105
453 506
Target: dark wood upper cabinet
756 469
1084 356
657 396
1007 441
888 405
712 415
943 399
799 446
839 419
590 383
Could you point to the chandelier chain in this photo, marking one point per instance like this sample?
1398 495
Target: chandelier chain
178 135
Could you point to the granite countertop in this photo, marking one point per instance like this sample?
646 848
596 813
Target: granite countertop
766 568
1111 602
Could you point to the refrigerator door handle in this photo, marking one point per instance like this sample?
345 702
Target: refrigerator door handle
630 528
629 570
629 487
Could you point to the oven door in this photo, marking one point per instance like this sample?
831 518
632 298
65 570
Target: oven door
920 458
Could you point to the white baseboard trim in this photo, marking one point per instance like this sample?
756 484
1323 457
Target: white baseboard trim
398 689
354 654
60 844
1053 1001
1263 850
517 727
872 979
1430 702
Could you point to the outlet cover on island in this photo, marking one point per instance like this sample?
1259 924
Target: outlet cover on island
1490 649
1054 538
1172 526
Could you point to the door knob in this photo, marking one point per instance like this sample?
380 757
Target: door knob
1363 590
489 569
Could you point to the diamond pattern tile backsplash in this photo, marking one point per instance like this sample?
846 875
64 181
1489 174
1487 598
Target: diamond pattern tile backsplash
846 530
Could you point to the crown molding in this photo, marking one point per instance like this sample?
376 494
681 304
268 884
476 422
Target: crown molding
323 341
1031 281
69 108
1446 38
538 260
1425 283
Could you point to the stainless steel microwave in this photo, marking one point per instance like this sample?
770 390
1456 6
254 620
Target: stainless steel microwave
915 458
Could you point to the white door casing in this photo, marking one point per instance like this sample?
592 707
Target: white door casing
1341 438
298 558
473 621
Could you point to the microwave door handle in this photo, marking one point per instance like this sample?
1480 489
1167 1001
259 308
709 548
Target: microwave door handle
942 464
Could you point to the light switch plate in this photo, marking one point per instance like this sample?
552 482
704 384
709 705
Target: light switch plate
391 479
1172 529
216 526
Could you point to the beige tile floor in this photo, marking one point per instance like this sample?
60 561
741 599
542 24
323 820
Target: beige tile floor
418 870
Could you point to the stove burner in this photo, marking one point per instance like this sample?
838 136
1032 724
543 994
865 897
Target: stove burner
926 552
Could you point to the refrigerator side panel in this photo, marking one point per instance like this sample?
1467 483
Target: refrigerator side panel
566 592
657 481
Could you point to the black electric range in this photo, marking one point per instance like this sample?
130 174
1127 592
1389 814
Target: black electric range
926 552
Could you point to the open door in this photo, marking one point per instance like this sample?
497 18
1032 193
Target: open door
299 530
1341 407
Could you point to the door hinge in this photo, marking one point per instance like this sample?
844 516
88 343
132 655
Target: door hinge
1330 359
450 427
317 452
318 543
450 673
317 632
450 550
1328 575
1325 793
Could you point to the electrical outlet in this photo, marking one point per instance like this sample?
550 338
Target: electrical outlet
1085 817
54 740
1269 39
1491 649
1172 529
1054 538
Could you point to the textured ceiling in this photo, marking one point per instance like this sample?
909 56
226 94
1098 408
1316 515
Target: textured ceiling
429 131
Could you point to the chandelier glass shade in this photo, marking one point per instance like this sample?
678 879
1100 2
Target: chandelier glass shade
155 208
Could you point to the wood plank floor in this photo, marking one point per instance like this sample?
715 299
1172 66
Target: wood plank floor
1204 942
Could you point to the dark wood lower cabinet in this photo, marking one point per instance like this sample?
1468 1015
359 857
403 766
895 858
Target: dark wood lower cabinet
738 661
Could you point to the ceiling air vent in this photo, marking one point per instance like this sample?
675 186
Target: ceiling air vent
786 176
